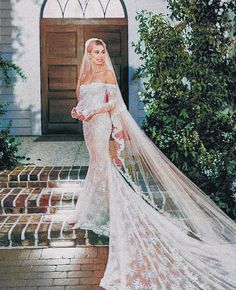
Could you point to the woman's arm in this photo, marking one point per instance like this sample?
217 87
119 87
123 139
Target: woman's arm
78 90
106 107
111 92
74 113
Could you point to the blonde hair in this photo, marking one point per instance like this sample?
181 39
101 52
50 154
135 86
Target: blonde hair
95 42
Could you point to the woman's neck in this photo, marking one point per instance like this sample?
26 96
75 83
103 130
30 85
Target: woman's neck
98 68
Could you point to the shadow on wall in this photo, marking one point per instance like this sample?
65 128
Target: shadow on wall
20 107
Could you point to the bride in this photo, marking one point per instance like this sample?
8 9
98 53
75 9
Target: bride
164 232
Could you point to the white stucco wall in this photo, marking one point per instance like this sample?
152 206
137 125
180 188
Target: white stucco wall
20 41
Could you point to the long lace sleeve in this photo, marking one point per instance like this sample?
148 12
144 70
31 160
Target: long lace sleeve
81 108
110 103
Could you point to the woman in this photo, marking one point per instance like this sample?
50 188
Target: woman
164 232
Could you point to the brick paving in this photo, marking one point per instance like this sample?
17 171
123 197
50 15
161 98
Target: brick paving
79 268
38 248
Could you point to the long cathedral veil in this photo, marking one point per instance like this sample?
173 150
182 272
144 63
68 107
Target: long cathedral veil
168 191
153 176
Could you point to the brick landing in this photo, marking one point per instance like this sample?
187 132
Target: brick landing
78 268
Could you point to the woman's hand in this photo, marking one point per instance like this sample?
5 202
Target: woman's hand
75 115
117 161
89 117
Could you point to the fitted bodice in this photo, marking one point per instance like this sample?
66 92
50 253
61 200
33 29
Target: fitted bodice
92 96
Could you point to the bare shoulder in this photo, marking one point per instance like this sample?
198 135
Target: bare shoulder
109 77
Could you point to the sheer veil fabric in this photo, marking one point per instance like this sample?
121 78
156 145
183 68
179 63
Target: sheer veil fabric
164 232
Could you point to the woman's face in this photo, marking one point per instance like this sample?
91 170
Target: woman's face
97 54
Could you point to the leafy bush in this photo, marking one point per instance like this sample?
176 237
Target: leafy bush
8 144
189 88
8 149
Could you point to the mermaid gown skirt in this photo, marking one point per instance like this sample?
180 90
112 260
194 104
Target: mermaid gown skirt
146 250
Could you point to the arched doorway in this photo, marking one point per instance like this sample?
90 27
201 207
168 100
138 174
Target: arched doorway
65 25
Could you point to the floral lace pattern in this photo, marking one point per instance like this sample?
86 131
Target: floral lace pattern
142 253
97 103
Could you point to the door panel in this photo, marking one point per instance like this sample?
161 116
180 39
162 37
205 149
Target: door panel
62 44
57 107
62 77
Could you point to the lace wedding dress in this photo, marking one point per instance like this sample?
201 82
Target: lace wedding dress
170 238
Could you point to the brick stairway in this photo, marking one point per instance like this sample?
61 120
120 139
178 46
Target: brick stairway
33 201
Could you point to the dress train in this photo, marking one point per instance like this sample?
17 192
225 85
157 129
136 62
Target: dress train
147 250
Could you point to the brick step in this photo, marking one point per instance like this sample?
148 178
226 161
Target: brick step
37 230
33 204
38 176
37 200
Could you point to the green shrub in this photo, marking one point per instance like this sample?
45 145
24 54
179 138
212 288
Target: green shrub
189 87
8 144
8 150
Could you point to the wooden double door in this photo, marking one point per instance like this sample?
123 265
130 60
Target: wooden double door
62 47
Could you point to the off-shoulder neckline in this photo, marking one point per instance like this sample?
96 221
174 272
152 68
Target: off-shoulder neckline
92 83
